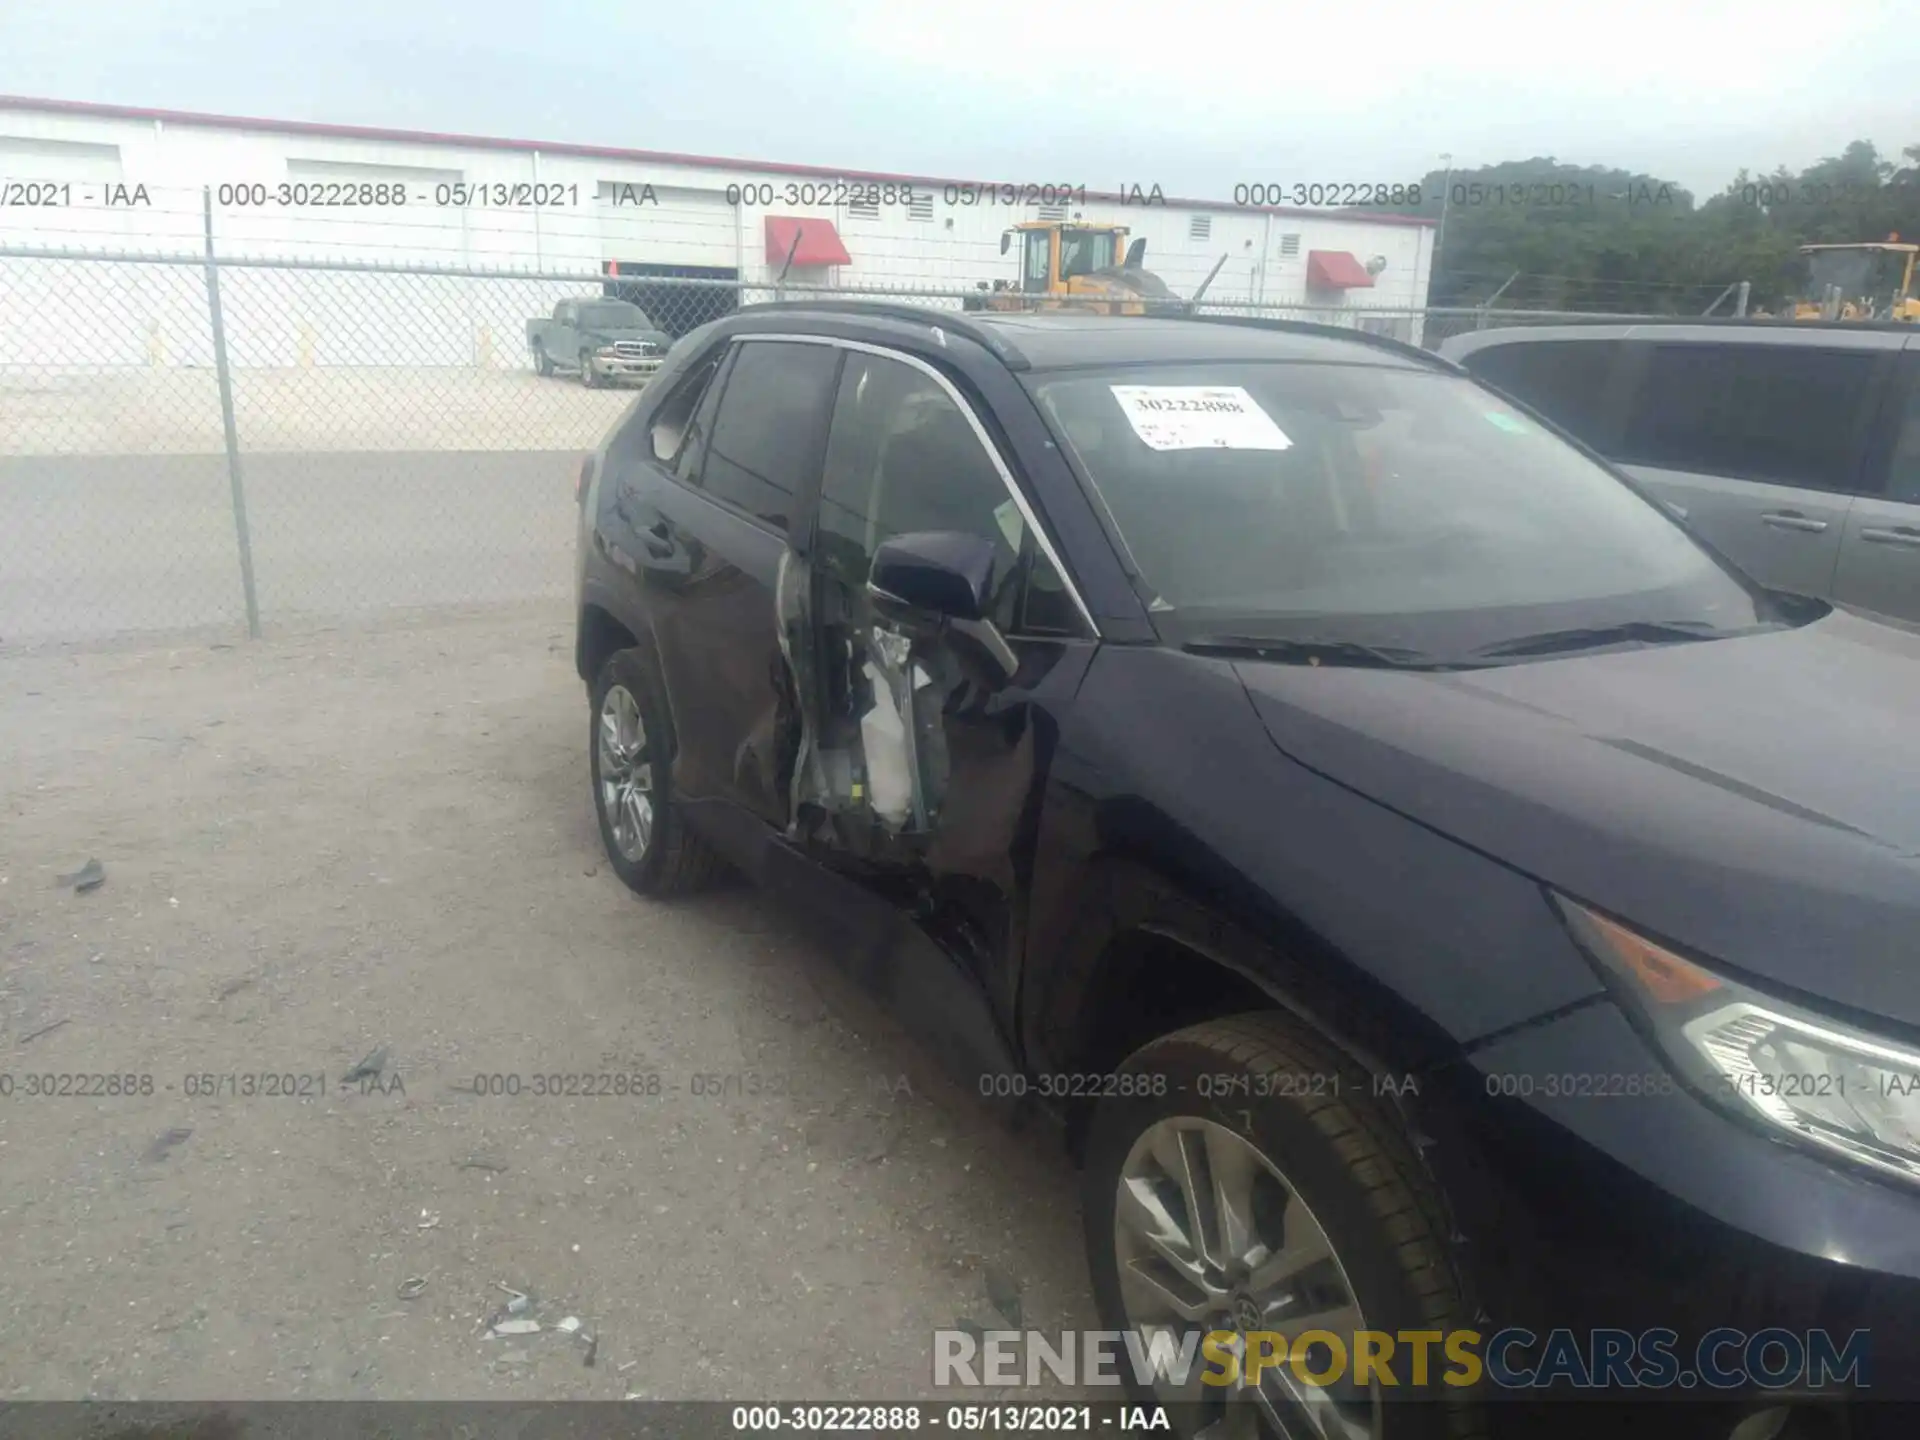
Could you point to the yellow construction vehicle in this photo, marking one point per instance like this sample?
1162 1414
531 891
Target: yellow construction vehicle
1074 266
1873 281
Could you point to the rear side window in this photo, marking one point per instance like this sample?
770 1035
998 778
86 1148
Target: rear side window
1785 414
771 427
1565 380
1903 477
672 428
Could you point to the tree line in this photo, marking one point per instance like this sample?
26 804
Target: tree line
1543 235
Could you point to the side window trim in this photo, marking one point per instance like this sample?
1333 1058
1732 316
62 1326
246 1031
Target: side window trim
980 435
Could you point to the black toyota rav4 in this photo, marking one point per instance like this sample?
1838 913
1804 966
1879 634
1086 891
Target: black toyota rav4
1436 893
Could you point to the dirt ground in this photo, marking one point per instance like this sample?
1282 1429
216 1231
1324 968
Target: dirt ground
380 840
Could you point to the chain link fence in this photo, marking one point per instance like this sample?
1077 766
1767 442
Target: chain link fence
188 444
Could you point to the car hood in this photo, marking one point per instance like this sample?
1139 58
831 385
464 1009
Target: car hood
607 335
1755 800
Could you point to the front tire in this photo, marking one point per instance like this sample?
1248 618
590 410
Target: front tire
542 362
587 377
646 839
1252 1181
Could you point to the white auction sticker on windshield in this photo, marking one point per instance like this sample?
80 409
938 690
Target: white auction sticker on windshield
1198 417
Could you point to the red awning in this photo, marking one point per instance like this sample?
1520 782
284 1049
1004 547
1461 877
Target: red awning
819 242
1335 270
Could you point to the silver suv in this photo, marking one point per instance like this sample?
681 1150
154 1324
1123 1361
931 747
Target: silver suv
1794 449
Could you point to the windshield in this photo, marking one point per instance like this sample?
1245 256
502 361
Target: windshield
1858 273
1084 251
1372 505
614 315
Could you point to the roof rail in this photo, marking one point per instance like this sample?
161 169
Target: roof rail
958 321
1731 322
1313 327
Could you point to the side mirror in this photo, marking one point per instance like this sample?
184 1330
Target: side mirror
938 572
936 584
1006 241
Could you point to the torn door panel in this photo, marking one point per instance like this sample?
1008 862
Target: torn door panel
872 772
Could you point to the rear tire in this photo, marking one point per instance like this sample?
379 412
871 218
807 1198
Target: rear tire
542 362
1335 1215
647 841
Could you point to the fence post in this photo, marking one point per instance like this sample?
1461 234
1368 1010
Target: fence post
226 422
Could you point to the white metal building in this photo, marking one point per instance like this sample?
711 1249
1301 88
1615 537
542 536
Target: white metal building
98 177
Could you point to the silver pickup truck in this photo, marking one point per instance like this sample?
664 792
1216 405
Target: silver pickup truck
604 341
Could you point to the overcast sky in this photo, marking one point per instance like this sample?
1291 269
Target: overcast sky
1195 96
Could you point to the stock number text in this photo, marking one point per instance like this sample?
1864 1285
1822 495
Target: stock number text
1345 193
46 1086
822 192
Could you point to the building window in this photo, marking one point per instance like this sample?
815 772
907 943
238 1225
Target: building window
1053 212
1289 246
1200 227
920 207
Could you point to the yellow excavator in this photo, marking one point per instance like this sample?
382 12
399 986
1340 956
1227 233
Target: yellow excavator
1872 281
1074 266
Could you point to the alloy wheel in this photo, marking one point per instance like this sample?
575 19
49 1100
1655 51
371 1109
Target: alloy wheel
626 774
1209 1235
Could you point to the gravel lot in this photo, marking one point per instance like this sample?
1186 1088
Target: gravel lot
381 839
95 546
137 410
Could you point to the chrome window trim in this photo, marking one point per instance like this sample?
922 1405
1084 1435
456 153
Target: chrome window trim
1000 465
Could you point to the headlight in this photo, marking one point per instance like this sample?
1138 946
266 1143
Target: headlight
607 352
1816 1079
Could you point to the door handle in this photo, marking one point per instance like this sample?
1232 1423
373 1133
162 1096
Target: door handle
1891 535
658 538
1792 520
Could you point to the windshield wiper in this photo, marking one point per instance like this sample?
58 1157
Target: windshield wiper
1645 632
1311 652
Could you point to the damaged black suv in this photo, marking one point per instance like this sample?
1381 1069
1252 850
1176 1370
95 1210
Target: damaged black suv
1428 883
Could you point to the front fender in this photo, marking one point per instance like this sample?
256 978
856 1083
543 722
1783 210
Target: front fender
1188 821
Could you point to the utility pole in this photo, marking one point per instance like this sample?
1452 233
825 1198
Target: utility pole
1440 236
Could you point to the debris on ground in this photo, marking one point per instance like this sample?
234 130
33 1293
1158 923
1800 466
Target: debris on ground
45 1029
413 1287
368 1068
478 1162
569 1326
513 1327
89 876
428 1219
166 1141
593 1351
518 1303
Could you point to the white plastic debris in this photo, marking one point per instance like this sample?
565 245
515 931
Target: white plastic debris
513 1327
883 739
569 1325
